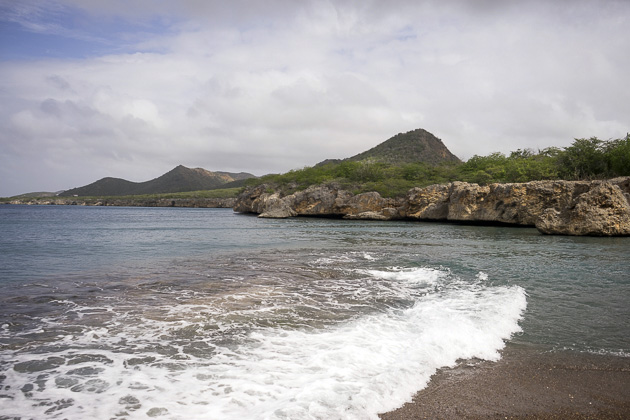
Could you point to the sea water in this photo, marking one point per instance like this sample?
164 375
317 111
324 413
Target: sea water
134 313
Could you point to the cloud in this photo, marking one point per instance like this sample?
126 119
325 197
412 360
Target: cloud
275 86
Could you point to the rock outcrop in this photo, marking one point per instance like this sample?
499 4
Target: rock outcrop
318 201
596 208
601 211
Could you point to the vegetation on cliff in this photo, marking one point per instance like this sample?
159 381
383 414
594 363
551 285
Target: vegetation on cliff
585 159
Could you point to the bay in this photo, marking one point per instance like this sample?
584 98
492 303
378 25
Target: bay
203 313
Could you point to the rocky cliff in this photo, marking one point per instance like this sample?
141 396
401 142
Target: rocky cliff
596 208
320 201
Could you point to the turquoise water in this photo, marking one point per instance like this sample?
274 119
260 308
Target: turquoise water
203 313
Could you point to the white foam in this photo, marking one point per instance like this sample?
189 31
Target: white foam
327 261
416 275
346 257
351 371
481 276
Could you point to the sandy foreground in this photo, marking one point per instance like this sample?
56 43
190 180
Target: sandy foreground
526 383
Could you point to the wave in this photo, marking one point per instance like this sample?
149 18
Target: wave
172 362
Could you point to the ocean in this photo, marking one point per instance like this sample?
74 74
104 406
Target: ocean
180 313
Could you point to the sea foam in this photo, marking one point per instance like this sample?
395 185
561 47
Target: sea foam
353 370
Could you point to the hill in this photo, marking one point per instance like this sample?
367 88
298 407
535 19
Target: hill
38 194
411 147
391 168
179 179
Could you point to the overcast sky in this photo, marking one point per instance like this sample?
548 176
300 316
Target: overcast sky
133 88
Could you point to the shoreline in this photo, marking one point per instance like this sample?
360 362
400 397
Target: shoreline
527 383
126 202
576 208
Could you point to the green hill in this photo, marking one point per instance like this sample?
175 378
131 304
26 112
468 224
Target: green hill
180 179
411 147
391 168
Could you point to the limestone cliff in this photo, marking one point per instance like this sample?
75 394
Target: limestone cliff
597 208
322 201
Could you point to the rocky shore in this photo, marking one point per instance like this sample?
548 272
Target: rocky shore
594 208
130 202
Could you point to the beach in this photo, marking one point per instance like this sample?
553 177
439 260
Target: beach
527 383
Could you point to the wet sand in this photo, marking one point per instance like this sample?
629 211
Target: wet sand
527 383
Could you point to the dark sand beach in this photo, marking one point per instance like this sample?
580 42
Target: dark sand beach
527 383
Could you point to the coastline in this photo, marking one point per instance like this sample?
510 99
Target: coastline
554 207
126 202
527 383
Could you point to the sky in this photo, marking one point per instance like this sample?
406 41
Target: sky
133 88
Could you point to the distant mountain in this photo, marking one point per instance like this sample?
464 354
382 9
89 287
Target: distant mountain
414 146
179 179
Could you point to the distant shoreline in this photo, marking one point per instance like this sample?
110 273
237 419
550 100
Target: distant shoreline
576 208
527 383
126 202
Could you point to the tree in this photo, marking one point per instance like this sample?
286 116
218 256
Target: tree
485 169
617 154
584 159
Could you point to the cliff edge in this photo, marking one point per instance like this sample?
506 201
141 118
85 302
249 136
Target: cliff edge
594 208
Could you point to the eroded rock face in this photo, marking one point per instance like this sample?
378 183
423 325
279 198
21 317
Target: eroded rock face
569 207
601 211
518 204
276 208
317 201
252 200
369 205
598 208
322 201
430 203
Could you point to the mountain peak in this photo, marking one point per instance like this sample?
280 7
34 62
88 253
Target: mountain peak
413 146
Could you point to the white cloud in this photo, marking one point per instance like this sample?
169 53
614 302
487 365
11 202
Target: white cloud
267 89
